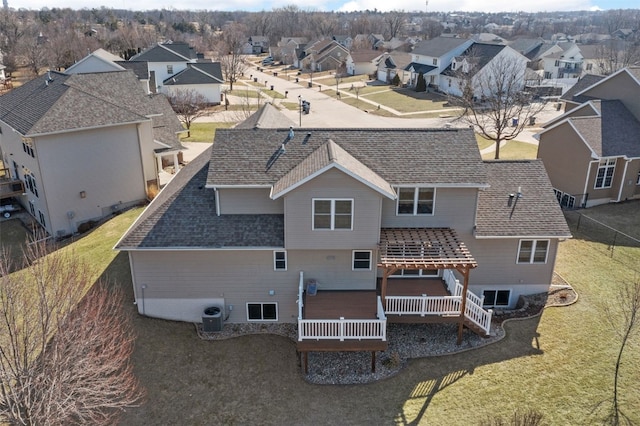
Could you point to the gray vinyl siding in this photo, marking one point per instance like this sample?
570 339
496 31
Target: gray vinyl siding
560 147
332 184
454 208
106 165
248 201
497 263
237 278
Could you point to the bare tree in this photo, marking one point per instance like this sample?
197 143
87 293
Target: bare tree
32 48
625 321
64 358
395 22
493 98
188 106
613 55
230 53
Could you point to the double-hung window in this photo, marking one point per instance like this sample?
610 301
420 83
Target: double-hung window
415 201
332 213
362 260
280 260
533 251
605 173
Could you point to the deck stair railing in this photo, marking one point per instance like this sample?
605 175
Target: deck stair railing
443 305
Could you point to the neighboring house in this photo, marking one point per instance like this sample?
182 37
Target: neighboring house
565 63
204 78
591 152
363 62
392 64
432 57
84 146
2 74
323 55
170 60
344 230
482 62
258 44
102 61
344 40
288 48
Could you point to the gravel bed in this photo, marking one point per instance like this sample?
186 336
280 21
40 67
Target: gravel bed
406 341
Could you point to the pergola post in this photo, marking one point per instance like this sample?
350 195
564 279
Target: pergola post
463 304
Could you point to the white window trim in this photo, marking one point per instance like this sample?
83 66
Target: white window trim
420 275
416 192
262 311
533 252
333 214
353 260
275 260
497 290
609 163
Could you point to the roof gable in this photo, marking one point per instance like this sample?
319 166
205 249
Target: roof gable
329 156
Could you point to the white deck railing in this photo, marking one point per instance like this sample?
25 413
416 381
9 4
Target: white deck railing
443 305
340 329
423 305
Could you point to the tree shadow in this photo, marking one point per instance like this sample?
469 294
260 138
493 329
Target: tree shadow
438 373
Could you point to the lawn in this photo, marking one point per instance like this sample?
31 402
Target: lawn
515 150
406 101
205 132
560 363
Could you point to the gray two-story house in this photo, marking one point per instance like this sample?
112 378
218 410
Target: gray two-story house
342 231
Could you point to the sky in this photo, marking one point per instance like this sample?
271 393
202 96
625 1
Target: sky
338 5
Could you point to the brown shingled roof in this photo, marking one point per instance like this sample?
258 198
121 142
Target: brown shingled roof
440 157
535 214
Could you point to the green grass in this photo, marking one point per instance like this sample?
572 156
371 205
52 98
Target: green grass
204 132
484 142
406 101
515 150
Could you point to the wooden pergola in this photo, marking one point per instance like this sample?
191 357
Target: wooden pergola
425 248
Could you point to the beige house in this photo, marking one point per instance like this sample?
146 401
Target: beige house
344 230
84 146
592 151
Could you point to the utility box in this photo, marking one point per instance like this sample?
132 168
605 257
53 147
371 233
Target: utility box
212 319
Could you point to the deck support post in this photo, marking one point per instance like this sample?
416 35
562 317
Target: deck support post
463 303
386 273
373 361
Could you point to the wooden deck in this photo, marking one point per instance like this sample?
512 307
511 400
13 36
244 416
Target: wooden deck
336 304
415 287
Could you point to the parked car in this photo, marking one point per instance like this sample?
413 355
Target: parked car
267 61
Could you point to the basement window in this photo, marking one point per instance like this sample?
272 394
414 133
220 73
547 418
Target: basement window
262 311
496 298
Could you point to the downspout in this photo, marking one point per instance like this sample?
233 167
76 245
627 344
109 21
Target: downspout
624 178
217 202
144 178
586 183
